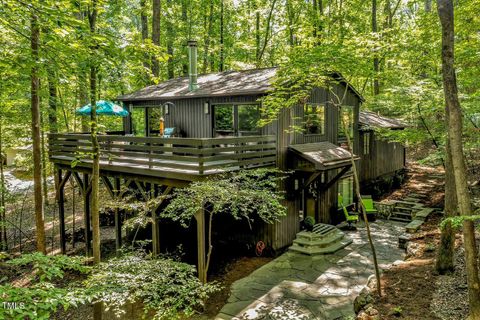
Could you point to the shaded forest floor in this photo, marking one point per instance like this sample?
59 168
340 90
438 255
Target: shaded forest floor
414 290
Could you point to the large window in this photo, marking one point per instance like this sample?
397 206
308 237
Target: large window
138 122
314 117
236 120
345 188
154 116
345 121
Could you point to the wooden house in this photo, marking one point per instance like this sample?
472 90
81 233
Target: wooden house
214 117
380 157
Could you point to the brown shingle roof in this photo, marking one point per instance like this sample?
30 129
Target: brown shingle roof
228 83
370 119
221 84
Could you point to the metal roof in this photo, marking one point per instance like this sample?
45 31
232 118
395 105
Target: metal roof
370 119
324 155
227 83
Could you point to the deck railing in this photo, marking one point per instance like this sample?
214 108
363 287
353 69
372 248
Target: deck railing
196 156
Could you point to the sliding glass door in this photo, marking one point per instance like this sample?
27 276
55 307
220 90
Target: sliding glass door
236 120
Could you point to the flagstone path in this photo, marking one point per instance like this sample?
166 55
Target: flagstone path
297 286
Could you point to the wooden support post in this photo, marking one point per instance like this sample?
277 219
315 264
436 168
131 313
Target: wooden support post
155 224
200 217
61 209
118 222
86 212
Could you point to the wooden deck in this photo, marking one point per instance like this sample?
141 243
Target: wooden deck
170 158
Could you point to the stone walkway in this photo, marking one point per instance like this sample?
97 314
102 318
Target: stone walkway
297 286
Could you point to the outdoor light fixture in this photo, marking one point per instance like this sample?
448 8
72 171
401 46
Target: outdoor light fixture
166 107
296 184
206 107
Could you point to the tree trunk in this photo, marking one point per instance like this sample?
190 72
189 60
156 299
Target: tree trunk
445 261
155 31
208 33
376 64
52 101
454 113
267 33
170 35
221 64
92 18
290 15
3 216
36 140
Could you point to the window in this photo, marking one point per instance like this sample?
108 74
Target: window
366 143
248 116
345 188
345 118
314 117
154 116
138 122
236 120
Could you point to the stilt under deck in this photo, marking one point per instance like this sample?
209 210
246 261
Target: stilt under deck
154 166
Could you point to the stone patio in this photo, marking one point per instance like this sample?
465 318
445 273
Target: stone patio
297 286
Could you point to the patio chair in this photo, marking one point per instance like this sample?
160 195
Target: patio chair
368 204
169 132
349 216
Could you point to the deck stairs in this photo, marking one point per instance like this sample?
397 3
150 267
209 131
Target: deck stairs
323 239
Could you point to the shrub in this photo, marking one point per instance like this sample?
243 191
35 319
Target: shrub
309 222
165 287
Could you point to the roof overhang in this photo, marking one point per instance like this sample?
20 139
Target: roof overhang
324 155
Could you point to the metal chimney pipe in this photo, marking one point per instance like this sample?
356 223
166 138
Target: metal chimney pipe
192 66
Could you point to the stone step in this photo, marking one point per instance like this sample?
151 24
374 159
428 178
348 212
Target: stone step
310 236
405 214
423 214
406 209
318 251
400 219
413 226
321 243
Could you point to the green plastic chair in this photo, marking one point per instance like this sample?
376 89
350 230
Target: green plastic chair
368 204
350 218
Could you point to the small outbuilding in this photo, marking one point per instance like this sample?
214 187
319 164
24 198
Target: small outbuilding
383 162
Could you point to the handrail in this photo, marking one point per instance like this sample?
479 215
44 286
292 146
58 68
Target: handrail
196 156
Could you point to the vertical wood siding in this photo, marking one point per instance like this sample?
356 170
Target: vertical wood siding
188 117
384 158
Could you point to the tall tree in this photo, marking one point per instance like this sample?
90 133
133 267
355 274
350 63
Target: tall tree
222 37
155 33
36 139
92 19
170 38
454 114
376 63
208 33
144 30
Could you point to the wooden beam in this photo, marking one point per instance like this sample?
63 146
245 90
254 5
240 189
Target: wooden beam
334 179
86 215
61 206
80 183
109 186
155 224
118 222
312 178
201 263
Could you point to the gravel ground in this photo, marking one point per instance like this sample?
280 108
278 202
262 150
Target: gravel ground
450 300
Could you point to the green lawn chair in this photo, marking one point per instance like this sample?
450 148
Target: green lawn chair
368 204
348 216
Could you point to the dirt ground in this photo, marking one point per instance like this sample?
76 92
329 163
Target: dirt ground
409 288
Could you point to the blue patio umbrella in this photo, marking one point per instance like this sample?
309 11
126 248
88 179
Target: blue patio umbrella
106 108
